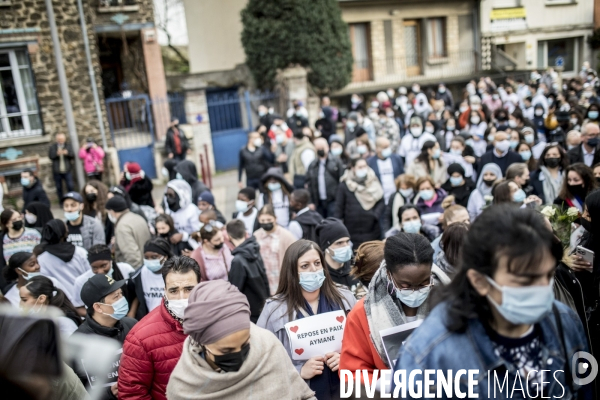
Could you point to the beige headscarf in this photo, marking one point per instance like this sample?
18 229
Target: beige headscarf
267 373
368 192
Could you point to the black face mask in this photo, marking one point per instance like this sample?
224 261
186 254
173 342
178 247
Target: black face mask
321 153
577 190
598 179
587 225
552 162
173 203
17 225
232 362
526 183
164 235
489 182
267 227
218 246
91 197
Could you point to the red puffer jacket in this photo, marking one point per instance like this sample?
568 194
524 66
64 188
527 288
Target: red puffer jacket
150 353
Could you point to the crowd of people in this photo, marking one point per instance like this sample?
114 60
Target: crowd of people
424 207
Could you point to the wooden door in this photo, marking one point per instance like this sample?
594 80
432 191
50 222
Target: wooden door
360 36
412 45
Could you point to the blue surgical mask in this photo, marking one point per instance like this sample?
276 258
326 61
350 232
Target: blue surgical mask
436 154
312 281
110 272
415 299
524 305
178 176
412 226
25 181
427 194
456 181
593 114
153 265
407 193
241 206
525 155
450 128
120 308
274 186
456 152
385 153
341 255
28 275
514 144
337 151
72 216
529 138
519 196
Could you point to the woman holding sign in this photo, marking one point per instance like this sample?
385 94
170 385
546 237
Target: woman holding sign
306 291
397 295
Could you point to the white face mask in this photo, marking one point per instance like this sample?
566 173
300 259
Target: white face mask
361 173
177 307
523 305
416 131
112 218
30 218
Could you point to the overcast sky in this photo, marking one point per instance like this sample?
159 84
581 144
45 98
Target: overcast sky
176 26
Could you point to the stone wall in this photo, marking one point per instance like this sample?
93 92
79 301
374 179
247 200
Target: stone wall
141 12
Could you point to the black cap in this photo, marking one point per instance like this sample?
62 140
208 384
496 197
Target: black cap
98 287
74 196
117 204
329 231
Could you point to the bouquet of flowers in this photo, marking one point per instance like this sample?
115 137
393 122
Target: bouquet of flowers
562 221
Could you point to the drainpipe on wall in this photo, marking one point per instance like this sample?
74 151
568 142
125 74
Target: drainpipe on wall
476 38
88 56
64 91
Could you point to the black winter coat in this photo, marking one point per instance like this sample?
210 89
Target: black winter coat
170 142
334 169
256 162
460 193
248 274
35 193
56 158
502 162
362 225
308 221
576 155
343 277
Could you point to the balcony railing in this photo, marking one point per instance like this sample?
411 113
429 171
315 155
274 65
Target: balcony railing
418 67
118 5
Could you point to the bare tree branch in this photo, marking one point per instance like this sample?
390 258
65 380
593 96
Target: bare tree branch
163 23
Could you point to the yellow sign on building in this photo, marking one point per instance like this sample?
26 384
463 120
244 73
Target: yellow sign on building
507 13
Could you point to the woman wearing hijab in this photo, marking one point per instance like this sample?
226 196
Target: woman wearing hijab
458 185
359 203
227 357
277 192
37 215
60 259
397 294
306 289
490 173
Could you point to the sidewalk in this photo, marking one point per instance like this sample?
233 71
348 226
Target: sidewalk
224 189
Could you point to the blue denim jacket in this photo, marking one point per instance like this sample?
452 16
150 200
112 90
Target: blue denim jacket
433 346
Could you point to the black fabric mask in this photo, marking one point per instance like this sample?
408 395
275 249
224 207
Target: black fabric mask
587 225
17 225
164 235
321 153
91 197
552 162
489 182
218 246
267 227
173 203
598 179
232 362
577 190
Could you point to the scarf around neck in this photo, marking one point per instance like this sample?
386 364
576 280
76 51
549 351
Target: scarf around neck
550 185
368 192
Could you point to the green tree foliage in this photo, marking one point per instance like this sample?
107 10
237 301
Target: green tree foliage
310 33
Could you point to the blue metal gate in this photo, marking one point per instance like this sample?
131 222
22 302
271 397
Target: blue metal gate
132 131
231 117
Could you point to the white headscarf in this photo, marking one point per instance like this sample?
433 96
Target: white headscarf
481 186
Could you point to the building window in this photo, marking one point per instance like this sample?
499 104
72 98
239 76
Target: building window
19 110
360 37
116 3
436 37
551 51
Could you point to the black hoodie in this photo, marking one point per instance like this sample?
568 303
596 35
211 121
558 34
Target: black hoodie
308 221
189 173
342 276
249 276
34 193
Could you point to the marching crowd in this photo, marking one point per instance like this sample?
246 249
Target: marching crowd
426 207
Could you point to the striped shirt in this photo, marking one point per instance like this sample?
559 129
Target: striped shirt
26 242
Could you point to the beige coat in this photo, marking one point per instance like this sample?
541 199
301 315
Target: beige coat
419 170
131 234
267 373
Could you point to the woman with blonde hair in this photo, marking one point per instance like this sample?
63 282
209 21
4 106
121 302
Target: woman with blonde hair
366 262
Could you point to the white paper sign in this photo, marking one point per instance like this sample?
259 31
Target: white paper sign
316 335
393 339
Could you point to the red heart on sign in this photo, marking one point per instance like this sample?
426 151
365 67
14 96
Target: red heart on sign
340 319
299 351
294 329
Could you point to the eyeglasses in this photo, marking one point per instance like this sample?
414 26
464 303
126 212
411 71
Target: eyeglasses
210 225
407 292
